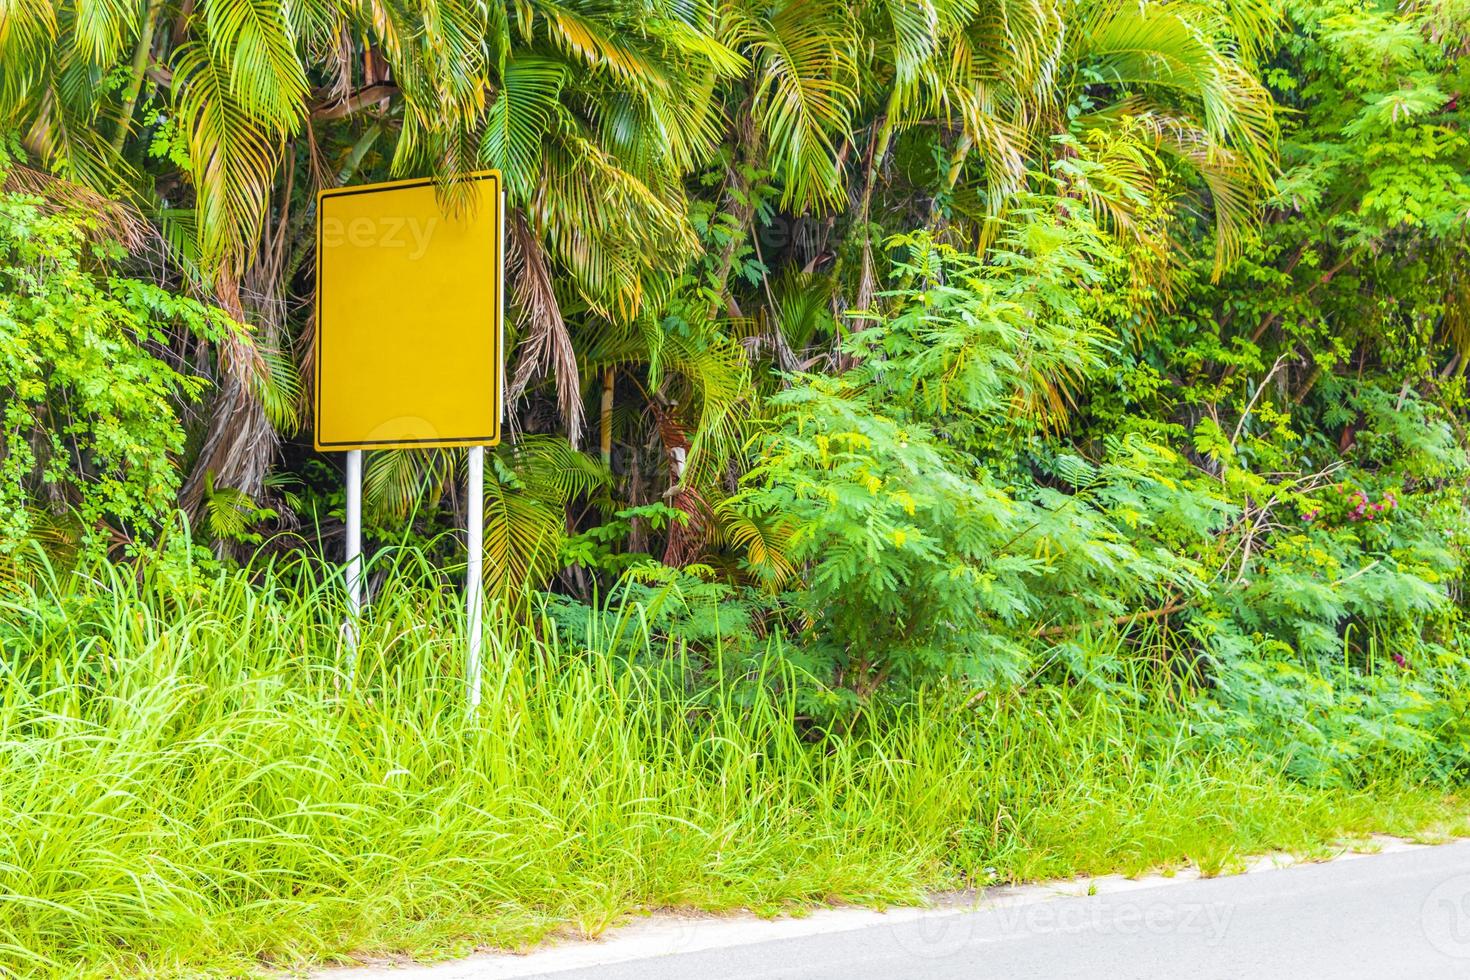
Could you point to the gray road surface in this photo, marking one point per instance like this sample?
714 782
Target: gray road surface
1394 916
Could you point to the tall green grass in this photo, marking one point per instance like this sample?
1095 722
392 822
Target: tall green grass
191 786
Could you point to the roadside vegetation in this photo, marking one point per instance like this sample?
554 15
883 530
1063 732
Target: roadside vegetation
947 443
193 787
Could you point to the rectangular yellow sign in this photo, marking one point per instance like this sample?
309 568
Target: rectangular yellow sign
408 316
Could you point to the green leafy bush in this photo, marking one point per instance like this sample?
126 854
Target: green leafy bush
88 408
929 547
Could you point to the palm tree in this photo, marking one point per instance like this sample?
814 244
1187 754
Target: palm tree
1004 90
229 113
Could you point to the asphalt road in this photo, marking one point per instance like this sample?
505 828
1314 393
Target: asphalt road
1394 916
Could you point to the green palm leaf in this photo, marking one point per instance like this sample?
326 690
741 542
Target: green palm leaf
520 120
232 156
804 58
252 43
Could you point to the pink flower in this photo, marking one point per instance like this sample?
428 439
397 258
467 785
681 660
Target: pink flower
1398 658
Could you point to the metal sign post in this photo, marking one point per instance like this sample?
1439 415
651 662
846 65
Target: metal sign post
353 559
410 348
474 574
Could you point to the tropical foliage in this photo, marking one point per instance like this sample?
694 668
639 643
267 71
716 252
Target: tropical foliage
921 341
90 411
947 440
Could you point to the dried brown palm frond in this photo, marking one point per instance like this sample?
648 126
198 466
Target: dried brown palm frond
547 347
113 219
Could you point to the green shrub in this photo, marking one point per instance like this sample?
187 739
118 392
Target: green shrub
937 528
89 420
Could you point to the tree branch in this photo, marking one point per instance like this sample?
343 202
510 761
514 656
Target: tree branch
373 95
1168 609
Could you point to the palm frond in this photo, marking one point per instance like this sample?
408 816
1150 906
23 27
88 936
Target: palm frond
519 121
100 28
397 481
252 44
1164 49
547 345
804 57
601 49
232 154
609 228
764 538
28 43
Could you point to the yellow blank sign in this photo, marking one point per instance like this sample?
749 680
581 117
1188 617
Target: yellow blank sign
408 317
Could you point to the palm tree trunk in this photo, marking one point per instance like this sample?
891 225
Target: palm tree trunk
141 54
239 444
607 408
952 175
877 150
739 204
